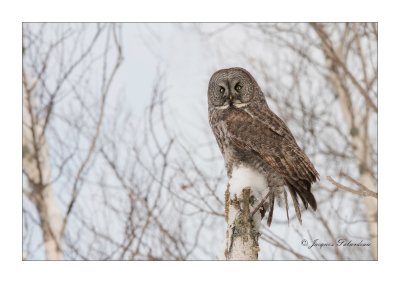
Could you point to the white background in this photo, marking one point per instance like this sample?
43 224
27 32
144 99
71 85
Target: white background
12 16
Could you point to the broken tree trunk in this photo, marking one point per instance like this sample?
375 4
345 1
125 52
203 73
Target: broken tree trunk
241 240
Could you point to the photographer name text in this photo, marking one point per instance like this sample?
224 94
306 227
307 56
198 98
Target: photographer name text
317 243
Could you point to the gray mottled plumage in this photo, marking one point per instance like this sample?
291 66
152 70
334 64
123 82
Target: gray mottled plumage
249 133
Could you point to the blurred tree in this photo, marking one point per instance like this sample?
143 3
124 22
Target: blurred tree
55 64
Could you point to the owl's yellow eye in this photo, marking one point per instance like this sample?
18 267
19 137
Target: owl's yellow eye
238 87
221 89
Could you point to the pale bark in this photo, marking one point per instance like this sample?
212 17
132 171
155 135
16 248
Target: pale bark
241 240
360 149
36 168
371 212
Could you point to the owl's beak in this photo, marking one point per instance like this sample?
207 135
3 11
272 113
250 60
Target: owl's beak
230 101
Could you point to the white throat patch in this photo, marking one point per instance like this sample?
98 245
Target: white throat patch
241 105
225 106
236 105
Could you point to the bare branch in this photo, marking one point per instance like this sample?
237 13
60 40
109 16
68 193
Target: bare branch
329 50
364 193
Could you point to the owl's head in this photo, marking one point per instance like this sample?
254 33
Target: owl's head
233 87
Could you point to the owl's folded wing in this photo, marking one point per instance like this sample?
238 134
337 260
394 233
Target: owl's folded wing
273 142
265 116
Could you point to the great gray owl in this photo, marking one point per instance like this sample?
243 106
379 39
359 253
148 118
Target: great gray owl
258 148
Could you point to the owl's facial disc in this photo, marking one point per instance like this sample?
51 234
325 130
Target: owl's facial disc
231 89
231 94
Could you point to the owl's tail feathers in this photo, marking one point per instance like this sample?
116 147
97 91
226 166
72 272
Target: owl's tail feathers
303 190
286 205
293 194
267 204
307 198
271 208
300 190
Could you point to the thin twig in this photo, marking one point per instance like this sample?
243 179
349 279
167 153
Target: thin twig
364 193
362 187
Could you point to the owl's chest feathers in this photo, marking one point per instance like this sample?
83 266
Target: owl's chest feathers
234 156
245 167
